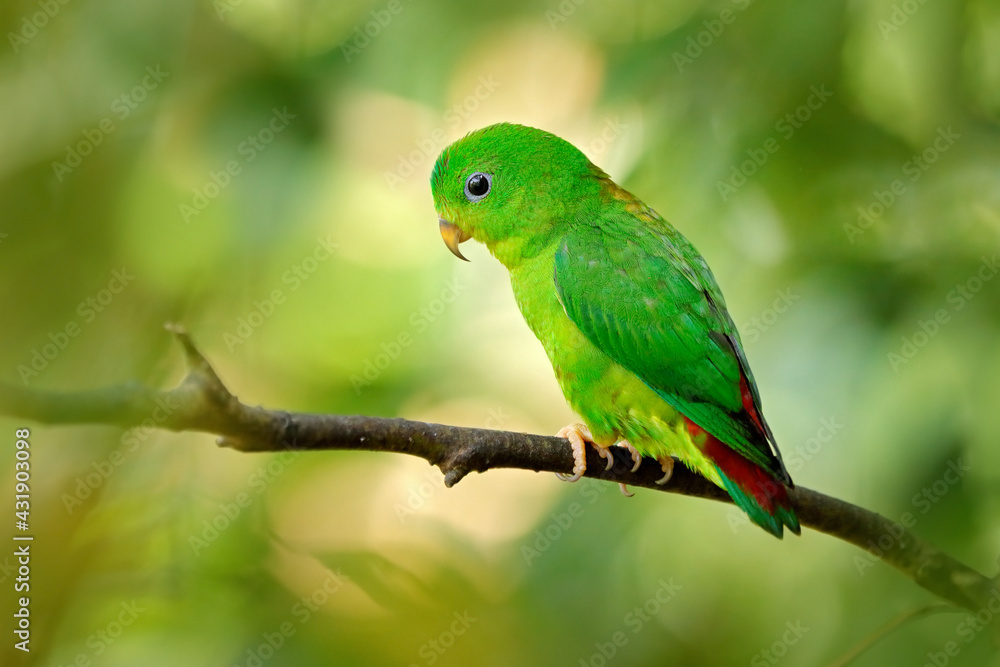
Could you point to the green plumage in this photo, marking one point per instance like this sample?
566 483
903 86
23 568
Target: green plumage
628 311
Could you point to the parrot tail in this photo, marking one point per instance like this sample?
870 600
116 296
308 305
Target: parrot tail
753 489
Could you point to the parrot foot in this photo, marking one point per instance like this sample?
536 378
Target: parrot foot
625 491
667 464
636 456
579 435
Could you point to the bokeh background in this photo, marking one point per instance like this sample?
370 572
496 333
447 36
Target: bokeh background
257 170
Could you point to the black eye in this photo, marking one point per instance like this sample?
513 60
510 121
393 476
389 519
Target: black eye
478 186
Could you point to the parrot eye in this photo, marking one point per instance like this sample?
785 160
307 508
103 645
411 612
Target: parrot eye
478 186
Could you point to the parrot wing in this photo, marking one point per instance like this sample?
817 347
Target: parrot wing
642 294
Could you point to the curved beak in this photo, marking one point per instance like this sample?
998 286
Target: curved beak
452 236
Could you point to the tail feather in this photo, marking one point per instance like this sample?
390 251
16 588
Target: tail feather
753 489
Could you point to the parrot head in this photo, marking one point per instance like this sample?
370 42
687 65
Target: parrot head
508 186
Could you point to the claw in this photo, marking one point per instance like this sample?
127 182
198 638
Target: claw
625 491
605 453
636 456
667 464
578 435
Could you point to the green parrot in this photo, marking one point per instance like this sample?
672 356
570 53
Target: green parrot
627 310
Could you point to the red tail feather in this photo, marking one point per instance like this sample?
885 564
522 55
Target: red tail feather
768 492
748 403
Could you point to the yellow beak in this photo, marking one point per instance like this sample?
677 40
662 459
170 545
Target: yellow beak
452 236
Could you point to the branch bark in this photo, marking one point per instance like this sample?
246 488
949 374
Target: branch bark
203 403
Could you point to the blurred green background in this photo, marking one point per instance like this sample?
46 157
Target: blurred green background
257 170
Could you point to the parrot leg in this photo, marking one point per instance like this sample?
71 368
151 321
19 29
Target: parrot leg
579 435
636 456
667 463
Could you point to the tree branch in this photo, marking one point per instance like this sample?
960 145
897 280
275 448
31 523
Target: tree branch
203 403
